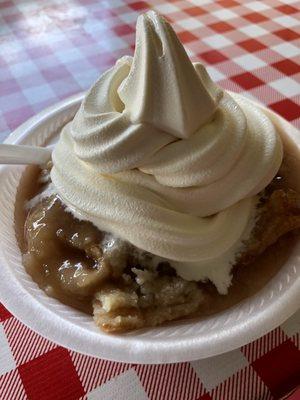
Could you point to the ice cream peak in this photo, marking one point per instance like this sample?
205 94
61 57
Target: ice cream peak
149 94
160 156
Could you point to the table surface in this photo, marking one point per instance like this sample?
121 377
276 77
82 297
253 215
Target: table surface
50 50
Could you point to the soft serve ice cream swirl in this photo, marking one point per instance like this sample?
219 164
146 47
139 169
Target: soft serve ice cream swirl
160 156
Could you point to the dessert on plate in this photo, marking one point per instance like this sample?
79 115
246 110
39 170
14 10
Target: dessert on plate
164 197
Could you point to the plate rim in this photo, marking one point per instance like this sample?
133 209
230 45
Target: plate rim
133 351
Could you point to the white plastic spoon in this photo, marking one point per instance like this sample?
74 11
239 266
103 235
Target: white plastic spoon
17 154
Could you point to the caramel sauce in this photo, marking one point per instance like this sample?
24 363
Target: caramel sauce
247 280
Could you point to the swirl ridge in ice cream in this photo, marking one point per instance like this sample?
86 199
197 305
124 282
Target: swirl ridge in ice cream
162 157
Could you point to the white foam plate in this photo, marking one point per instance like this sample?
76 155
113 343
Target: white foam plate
182 341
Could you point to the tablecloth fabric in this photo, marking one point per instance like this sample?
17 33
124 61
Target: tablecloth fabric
50 50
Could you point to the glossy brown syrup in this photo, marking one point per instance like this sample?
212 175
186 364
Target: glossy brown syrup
247 280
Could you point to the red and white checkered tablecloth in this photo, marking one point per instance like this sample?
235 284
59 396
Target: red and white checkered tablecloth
51 49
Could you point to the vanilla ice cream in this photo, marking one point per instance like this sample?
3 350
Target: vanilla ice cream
160 156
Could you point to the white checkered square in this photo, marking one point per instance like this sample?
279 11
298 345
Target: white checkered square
214 73
115 43
190 23
287 50
69 55
4 128
286 86
253 30
287 21
26 6
21 69
124 386
224 14
289 1
112 22
87 77
10 102
249 62
217 41
250 96
112 4
38 94
94 28
7 362
212 371
6 30
166 8
292 325
201 2
128 18
257 5
189 52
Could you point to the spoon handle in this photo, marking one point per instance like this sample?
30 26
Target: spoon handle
17 154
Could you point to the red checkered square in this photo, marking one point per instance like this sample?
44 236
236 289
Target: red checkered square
9 86
12 18
221 27
6 4
4 313
139 5
287 9
252 45
287 67
247 80
212 56
56 72
287 108
280 368
255 17
16 117
195 11
39 51
186 37
205 397
123 30
228 3
102 60
287 34
51 376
